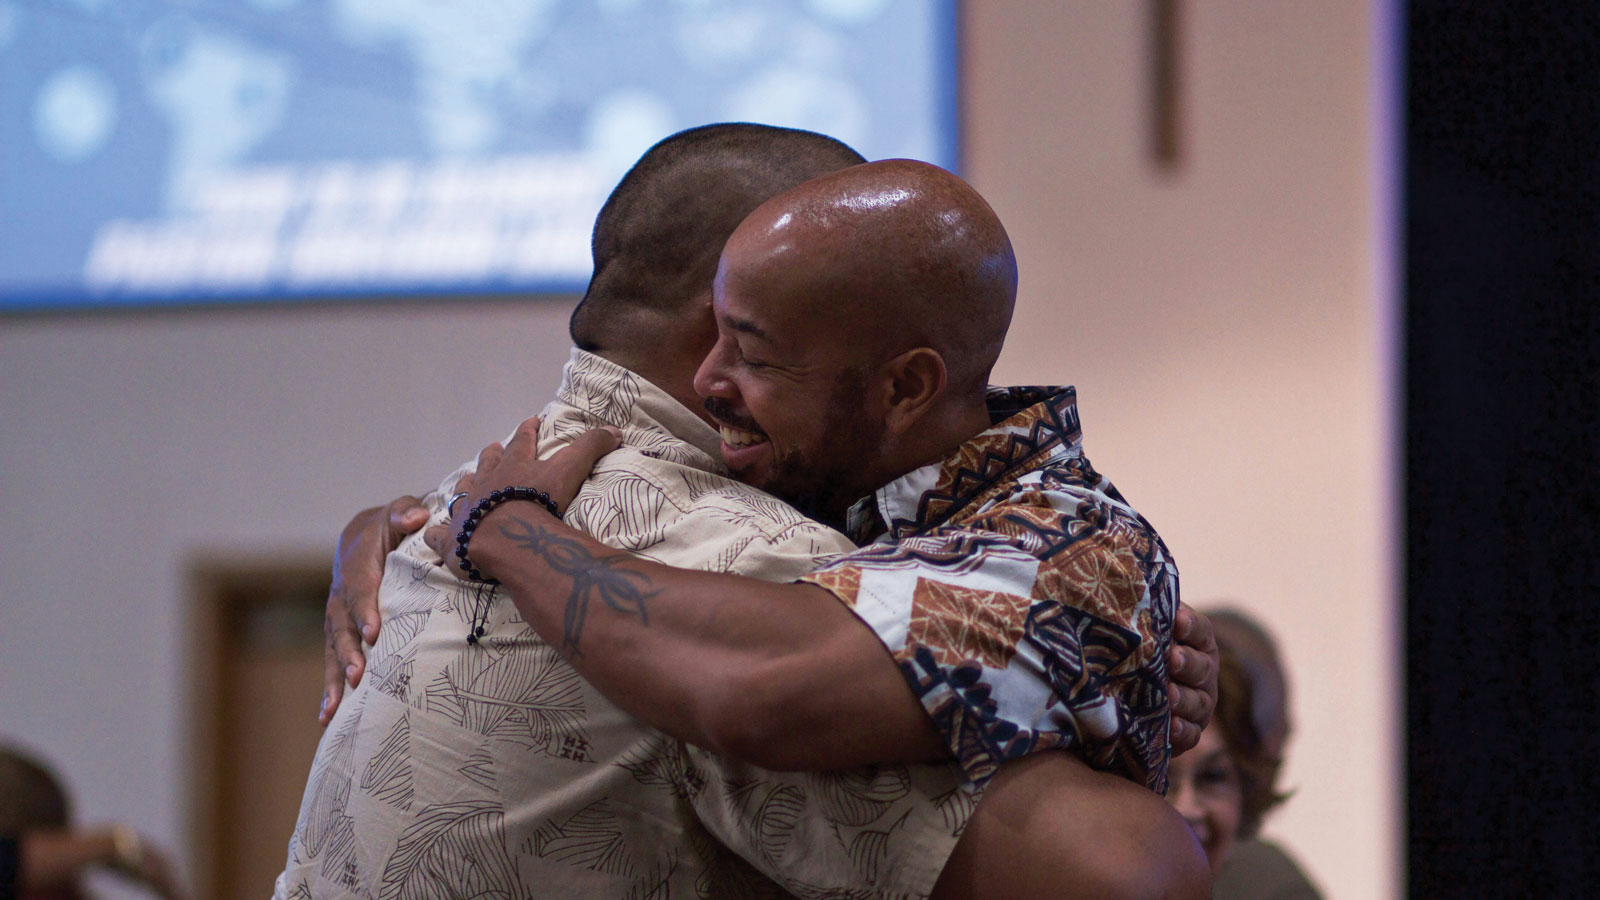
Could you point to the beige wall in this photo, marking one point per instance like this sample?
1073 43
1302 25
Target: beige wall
1223 326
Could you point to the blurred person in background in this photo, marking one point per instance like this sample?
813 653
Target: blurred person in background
1227 784
43 855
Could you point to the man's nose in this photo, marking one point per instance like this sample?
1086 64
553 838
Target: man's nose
709 380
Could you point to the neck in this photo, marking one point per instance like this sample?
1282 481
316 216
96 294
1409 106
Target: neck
955 425
665 350
972 421
672 374
934 440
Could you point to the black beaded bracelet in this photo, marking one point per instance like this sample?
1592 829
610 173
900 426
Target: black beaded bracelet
476 514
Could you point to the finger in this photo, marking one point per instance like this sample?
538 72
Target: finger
340 653
359 564
466 482
439 540
489 458
1193 629
1182 622
443 542
406 515
1191 705
525 441
589 447
1189 667
363 546
1183 736
332 679
576 460
347 647
361 610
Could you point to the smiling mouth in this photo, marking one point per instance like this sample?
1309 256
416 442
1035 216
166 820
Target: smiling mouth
724 414
738 437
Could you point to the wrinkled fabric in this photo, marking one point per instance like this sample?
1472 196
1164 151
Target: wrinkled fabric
495 770
1028 605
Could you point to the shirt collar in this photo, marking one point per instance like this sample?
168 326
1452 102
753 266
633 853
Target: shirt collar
617 396
1032 426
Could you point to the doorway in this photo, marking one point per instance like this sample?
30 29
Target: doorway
257 646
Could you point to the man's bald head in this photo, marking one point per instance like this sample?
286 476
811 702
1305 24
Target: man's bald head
657 238
858 317
898 250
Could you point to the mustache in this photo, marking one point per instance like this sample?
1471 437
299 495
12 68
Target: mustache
722 411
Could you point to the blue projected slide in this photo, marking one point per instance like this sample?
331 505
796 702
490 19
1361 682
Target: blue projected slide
157 152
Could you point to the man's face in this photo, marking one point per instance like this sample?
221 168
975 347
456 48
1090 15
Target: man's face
790 392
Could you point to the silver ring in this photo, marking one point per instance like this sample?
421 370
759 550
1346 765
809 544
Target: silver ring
450 508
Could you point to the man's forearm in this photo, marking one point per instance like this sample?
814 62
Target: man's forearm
780 675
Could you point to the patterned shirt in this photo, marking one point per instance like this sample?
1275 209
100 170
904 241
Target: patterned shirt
1028 605
495 770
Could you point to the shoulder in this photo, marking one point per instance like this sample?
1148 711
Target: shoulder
764 537
632 475
1075 521
684 515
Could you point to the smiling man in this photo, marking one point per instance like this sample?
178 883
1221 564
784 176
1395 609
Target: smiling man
1024 602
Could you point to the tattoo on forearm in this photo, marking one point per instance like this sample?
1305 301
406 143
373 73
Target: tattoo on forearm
624 590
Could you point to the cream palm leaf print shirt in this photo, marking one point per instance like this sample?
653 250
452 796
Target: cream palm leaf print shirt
494 770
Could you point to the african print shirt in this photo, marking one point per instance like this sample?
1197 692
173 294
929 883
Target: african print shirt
1028 605
495 770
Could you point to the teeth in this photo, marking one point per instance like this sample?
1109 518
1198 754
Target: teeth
738 438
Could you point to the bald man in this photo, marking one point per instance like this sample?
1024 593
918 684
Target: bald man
1021 599
645 324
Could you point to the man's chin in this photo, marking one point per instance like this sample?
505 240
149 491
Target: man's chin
800 489
759 467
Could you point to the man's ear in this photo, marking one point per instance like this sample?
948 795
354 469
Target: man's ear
915 382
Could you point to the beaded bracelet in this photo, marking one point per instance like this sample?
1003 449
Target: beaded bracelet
476 514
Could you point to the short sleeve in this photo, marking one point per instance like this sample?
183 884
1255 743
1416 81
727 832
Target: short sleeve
1028 629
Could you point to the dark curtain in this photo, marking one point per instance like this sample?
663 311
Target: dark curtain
1502 455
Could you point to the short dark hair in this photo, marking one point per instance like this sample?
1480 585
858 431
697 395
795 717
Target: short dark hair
658 237
31 796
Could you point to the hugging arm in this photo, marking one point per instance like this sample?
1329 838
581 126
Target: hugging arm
745 695
733 669
780 675
352 613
